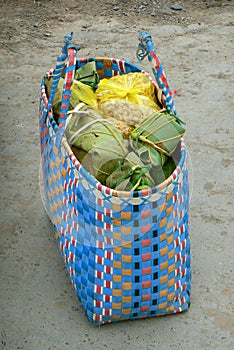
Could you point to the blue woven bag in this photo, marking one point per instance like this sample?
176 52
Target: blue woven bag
127 253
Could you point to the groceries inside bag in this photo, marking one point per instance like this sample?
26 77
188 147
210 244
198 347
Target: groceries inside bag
119 131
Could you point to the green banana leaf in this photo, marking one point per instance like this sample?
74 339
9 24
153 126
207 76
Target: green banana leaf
162 131
79 119
101 161
79 153
149 155
130 175
103 143
159 174
162 166
169 167
88 75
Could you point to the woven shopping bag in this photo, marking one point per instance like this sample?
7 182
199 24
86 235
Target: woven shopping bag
127 252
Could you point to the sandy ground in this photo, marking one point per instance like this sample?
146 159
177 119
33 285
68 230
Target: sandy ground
39 309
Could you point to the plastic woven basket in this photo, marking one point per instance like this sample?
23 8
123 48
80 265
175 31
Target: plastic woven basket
127 253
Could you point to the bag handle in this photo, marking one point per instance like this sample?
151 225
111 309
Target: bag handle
68 53
146 47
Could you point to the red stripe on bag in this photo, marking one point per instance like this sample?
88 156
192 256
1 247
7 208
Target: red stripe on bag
108 284
98 303
145 214
99 216
146 297
145 228
146 257
146 271
108 190
108 240
121 66
108 269
144 308
99 186
99 289
99 274
146 242
146 284
99 230
99 260
100 244
107 297
108 255
97 318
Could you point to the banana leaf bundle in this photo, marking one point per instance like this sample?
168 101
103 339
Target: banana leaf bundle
131 174
102 150
161 165
142 161
155 141
162 132
88 75
102 146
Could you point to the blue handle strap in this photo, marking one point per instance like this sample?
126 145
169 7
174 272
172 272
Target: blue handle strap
58 70
69 76
146 48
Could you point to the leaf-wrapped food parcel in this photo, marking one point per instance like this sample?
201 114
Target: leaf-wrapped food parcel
149 155
88 75
130 175
103 143
162 131
162 166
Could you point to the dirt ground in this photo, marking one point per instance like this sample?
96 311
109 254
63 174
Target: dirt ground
39 308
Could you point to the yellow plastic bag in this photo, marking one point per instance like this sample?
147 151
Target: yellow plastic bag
132 87
83 93
126 100
80 92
